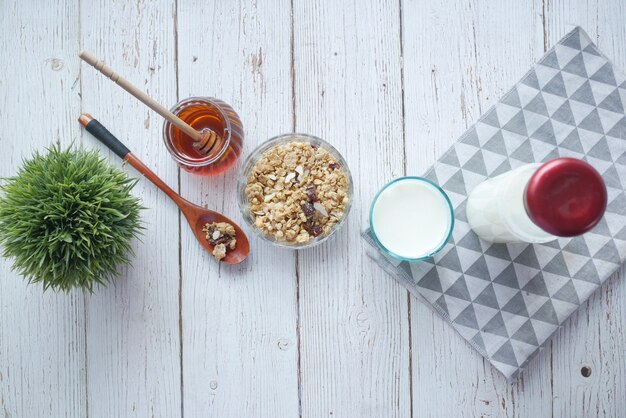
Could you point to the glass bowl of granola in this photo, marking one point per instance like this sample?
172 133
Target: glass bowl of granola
295 190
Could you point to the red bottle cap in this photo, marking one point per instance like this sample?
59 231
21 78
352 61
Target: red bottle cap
565 197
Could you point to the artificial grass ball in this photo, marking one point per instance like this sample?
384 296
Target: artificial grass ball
67 219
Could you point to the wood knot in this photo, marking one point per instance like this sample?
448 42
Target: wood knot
585 371
213 384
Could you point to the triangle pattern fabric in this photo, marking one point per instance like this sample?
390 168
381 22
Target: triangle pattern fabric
564 114
592 123
531 80
545 133
553 103
467 318
484 131
613 102
618 205
512 321
567 293
577 66
600 90
528 257
591 50
475 286
499 251
456 183
471 242
495 265
507 278
572 142
496 144
584 94
524 152
431 280
478 342
577 245
479 268
588 273
502 168
556 86
516 305
506 355
557 265
572 40
476 164
507 300
565 54
459 289
581 111
496 326
547 314
605 75
537 286
608 253
441 302
537 105
483 314
491 118
450 158
550 60
608 118
471 137
601 150
526 333
512 98
488 298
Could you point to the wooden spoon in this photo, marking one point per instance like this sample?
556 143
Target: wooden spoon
203 141
196 216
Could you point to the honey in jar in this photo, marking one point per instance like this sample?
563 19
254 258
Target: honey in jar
205 113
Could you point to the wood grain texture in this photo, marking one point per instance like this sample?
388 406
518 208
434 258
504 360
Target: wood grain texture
324 332
449 81
353 319
238 322
491 70
133 350
592 338
42 345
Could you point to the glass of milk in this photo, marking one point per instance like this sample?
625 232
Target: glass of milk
411 218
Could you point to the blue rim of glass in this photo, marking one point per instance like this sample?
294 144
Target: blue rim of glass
433 252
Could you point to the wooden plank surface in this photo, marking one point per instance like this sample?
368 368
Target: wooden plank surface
132 333
42 341
240 347
449 82
353 319
322 332
591 341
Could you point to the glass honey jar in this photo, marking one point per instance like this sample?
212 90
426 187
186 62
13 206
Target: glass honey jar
205 113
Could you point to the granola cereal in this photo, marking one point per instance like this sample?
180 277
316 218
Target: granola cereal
222 236
296 192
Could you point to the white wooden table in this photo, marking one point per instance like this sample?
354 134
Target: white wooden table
320 333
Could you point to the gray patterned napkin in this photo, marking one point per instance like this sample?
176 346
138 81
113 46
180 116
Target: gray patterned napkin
508 299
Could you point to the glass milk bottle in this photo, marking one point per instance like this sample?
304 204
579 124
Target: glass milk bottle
538 202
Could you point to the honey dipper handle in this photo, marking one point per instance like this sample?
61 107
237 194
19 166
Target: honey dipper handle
143 97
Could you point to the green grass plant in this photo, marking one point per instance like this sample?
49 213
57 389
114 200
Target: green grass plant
68 218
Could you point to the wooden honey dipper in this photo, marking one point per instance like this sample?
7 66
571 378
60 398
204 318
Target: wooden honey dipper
202 141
